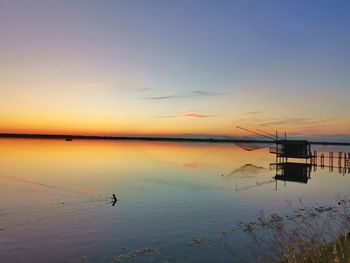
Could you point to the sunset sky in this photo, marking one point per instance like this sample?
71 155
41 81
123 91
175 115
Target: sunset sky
175 67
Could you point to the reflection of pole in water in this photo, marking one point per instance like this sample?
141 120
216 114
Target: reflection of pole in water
322 160
346 160
314 158
343 165
276 182
330 159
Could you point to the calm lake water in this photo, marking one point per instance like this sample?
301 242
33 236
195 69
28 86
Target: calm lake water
177 202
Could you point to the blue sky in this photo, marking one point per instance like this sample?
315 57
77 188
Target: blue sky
149 67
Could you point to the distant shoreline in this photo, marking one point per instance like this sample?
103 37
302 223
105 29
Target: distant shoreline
145 138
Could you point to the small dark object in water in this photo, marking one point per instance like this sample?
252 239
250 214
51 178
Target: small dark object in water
69 139
197 240
114 200
222 175
339 203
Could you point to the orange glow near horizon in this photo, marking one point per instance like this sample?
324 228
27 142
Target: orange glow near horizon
186 155
132 129
88 71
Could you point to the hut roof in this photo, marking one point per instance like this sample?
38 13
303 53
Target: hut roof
294 142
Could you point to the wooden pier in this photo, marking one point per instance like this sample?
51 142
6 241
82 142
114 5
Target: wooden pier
300 171
340 161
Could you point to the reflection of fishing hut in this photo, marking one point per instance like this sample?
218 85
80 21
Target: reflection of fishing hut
293 172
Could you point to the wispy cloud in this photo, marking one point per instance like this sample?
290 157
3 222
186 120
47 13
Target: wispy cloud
192 94
141 89
136 90
295 121
197 115
187 114
161 97
252 113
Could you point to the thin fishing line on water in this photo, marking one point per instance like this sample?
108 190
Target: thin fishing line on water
47 193
73 193
49 186
63 203
70 207
38 220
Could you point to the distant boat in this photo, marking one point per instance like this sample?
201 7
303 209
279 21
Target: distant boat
69 139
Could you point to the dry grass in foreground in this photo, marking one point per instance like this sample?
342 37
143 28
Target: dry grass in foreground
308 235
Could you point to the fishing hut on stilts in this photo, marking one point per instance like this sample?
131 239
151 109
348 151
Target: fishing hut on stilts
304 159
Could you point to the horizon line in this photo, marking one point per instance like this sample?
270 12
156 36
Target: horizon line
150 138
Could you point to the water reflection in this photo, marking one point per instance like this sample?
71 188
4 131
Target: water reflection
293 172
299 172
56 199
245 171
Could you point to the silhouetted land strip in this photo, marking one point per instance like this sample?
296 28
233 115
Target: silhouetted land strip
146 138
